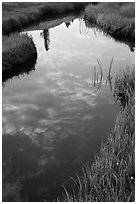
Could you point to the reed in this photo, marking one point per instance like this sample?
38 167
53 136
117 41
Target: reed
97 71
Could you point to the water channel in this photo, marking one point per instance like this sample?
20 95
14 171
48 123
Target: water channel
56 117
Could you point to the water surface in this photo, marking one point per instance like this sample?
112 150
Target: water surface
55 118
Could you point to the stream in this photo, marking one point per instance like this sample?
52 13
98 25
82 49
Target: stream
56 117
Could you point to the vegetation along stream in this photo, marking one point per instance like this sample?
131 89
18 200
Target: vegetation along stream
57 114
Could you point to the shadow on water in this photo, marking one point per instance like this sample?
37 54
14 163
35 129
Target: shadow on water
46 36
19 71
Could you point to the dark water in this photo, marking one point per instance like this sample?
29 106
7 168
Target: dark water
54 119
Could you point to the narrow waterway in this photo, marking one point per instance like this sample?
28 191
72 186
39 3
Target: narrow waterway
56 117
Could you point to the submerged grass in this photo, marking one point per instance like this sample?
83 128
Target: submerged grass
16 50
111 178
115 19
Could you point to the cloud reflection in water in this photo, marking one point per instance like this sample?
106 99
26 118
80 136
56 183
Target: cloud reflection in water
55 117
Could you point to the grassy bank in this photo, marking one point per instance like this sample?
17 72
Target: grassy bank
115 19
112 176
20 71
16 16
16 50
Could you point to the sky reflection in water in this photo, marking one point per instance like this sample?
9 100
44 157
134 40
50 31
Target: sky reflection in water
54 120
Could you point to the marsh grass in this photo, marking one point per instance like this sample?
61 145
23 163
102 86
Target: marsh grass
115 19
19 71
125 87
16 50
111 178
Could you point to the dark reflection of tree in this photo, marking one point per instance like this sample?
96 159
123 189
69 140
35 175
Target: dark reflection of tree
46 36
67 24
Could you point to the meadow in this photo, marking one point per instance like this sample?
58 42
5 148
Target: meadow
17 49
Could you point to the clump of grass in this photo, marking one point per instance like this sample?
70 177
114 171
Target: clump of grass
125 87
111 178
90 14
16 50
115 19
128 10
19 71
